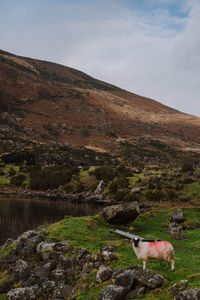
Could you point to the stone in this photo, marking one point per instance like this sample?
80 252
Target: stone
27 293
27 243
178 235
62 292
58 274
179 286
109 256
100 188
113 292
87 268
125 279
121 213
48 287
82 252
44 248
189 294
178 216
21 270
104 273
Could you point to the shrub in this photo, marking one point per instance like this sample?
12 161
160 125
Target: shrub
188 167
89 182
118 183
49 177
129 197
113 186
154 195
18 179
105 173
120 195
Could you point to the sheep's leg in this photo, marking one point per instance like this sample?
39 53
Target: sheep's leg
172 265
144 264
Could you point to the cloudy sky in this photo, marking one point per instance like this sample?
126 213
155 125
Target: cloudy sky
150 47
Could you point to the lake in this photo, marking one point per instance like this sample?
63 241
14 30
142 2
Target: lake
19 215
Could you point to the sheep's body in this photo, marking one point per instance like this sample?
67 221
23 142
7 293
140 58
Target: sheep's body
160 250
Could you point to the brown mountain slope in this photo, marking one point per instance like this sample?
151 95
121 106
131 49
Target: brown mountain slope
43 101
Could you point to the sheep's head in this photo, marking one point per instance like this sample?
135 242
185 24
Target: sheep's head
136 242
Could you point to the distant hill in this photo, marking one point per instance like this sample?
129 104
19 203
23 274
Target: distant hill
44 102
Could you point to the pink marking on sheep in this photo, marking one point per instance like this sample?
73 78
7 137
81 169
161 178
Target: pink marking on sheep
160 250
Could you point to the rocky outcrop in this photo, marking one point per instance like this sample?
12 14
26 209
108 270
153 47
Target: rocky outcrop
50 269
121 213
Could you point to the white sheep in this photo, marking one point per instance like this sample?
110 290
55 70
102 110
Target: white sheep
160 250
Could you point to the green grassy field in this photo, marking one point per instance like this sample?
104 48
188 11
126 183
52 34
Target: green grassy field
93 233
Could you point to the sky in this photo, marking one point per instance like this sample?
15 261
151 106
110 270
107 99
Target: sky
149 47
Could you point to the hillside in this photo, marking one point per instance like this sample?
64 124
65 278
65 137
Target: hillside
46 102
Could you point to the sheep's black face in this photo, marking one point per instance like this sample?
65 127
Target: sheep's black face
136 242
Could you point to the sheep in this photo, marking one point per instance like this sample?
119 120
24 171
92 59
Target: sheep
160 250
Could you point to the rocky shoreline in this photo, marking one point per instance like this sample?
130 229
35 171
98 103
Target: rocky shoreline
56 196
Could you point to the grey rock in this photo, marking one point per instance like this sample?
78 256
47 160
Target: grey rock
121 213
113 292
189 294
100 188
58 274
178 216
21 270
125 279
27 293
43 249
104 273
109 256
62 292
48 287
148 278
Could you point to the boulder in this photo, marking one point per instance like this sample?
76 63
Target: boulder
147 278
125 279
104 273
121 213
189 294
178 216
113 292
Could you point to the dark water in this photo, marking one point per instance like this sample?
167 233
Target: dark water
19 215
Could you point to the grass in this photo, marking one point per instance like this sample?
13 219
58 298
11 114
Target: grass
93 233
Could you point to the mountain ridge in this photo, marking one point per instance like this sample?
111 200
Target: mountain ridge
47 101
